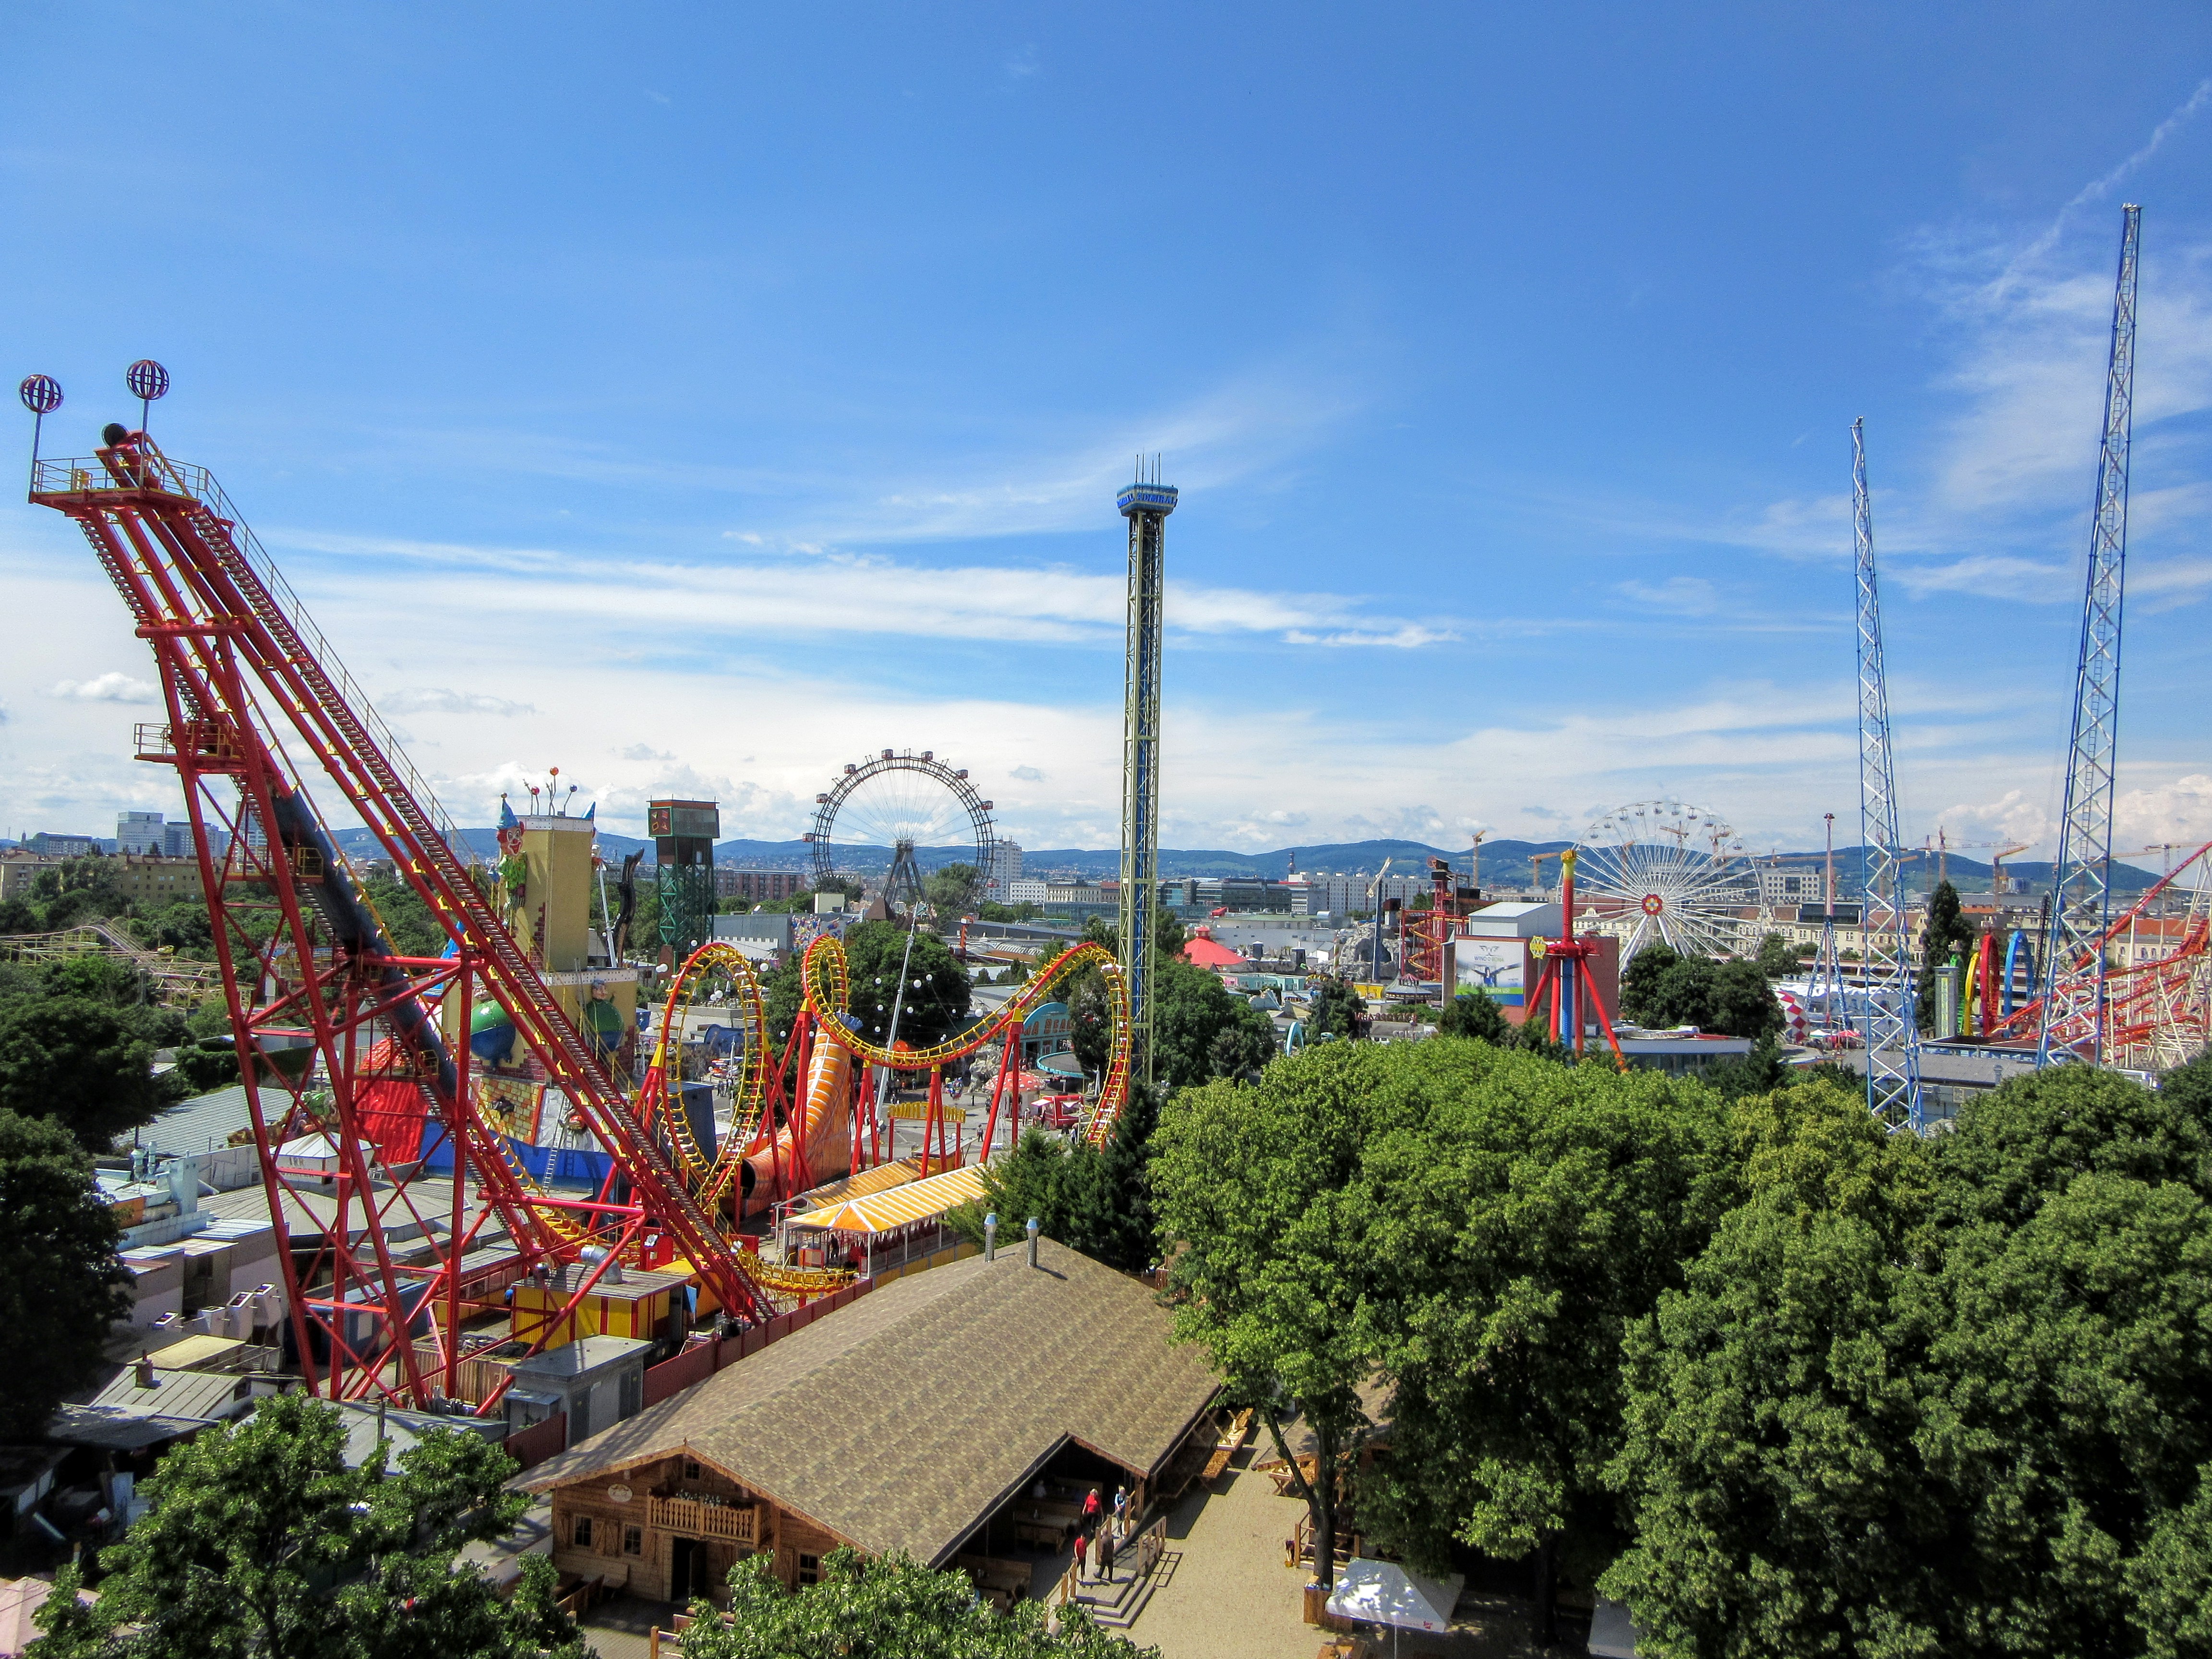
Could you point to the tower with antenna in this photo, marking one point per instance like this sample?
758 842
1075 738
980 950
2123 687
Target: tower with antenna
2073 967
1892 1031
1145 503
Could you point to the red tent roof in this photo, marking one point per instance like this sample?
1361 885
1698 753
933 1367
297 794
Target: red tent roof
1206 953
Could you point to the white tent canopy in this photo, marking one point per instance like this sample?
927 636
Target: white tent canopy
1383 1593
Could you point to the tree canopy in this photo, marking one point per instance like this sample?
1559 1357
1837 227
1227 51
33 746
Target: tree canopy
80 1062
935 1002
886 1608
1524 1216
61 1285
260 1543
1936 1396
1660 988
1095 1199
1265 1220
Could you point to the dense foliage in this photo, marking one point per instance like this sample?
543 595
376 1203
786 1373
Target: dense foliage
934 1006
1786 1382
1937 1397
1659 988
60 1284
1095 1199
886 1608
76 1045
261 1544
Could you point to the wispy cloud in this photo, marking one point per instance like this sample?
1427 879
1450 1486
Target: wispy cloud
439 700
1680 596
107 688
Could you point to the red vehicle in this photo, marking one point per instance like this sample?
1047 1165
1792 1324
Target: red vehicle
1059 1111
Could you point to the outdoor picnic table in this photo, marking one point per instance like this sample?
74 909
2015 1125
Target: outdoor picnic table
1042 1535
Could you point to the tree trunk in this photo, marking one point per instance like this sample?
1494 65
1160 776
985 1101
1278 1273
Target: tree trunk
1547 1594
1320 1493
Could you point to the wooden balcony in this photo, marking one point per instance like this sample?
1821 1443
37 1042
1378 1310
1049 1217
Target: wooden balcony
738 1522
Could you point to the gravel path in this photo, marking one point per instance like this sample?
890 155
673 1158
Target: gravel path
1230 1596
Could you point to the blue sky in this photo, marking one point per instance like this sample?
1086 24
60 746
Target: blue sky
698 398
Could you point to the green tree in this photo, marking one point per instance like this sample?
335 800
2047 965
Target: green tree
934 1004
1777 957
1524 1219
1743 1004
951 888
2069 1359
1923 1397
1639 983
83 890
1946 932
1767 1456
61 1286
1265 1220
410 926
1191 1012
1472 1014
1337 1009
886 1608
1095 1199
261 1544
76 1061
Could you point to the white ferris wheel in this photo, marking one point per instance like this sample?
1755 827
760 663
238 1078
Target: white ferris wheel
1663 871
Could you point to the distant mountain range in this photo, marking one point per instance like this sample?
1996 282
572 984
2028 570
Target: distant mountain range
1505 864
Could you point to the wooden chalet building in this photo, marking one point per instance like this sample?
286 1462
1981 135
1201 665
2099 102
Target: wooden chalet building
914 1419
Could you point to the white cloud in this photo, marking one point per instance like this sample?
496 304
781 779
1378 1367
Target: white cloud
112 687
1680 596
439 700
1026 774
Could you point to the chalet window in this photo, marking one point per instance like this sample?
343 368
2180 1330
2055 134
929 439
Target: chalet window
633 1541
691 1468
810 1568
583 1535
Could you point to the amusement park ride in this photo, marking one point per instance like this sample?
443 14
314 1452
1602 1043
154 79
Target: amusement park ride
403 1214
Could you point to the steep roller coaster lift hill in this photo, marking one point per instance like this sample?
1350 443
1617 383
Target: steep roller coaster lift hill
335 1028
339 1036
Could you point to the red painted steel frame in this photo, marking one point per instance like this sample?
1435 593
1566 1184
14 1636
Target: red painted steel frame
235 670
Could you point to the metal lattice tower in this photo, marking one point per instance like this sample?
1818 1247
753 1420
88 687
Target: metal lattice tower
1147 506
2074 1001
683 833
1892 1034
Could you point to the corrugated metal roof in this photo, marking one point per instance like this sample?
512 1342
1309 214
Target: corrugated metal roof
902 1206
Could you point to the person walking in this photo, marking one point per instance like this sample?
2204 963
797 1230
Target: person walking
1106 1554
1122 1509
1091 1509
1082 1556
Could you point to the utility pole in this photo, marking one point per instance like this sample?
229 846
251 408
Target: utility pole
2082 880
1892 1028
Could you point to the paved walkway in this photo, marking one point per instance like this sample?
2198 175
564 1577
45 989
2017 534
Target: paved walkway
1227 1594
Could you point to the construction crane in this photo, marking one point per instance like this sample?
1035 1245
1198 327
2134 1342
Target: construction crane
1996 865
1943 846
1892 1029
2081 879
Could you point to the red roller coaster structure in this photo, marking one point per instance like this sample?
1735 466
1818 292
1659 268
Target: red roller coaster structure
351 1081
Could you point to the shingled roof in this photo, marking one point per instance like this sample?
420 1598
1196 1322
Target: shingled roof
903 1420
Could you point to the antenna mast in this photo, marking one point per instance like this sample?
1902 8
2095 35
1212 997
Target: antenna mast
2073 967
1893 1032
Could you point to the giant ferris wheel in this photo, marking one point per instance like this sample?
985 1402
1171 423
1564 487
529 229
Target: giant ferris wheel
1661 871
904 802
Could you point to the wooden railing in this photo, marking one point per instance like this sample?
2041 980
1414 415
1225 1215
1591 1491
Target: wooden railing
738 1522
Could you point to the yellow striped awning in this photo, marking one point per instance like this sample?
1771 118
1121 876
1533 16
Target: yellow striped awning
902 1206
